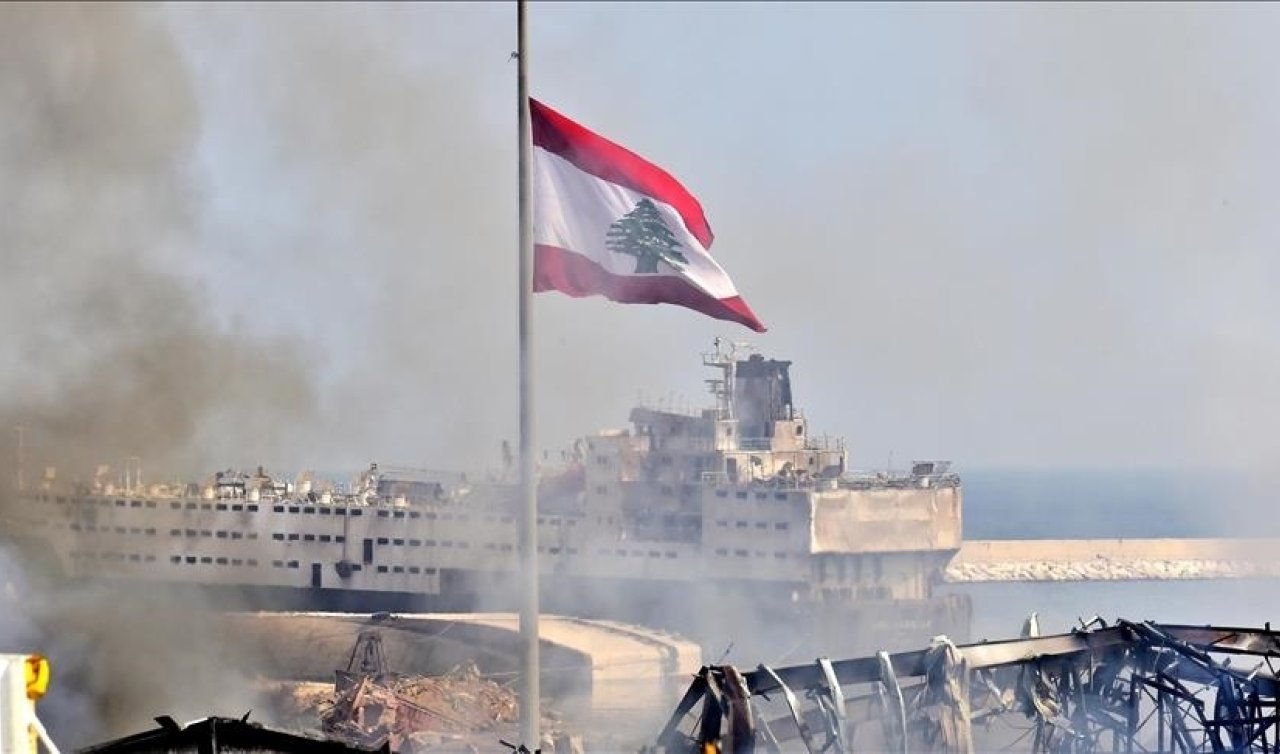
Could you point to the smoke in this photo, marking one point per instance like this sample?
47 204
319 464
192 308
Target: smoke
120 658
115 351
113 348
1022 254
999 234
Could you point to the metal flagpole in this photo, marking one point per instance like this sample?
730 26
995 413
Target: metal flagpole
530 707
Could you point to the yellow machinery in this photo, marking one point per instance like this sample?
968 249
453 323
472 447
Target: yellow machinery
23 680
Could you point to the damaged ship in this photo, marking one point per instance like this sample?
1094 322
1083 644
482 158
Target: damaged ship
703 523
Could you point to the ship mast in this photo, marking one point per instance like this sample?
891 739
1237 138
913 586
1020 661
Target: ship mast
724 358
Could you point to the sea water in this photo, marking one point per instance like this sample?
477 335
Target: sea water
1071 504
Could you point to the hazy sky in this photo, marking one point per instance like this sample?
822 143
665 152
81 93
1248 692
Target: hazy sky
1009 235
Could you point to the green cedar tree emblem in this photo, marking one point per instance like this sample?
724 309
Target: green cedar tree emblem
643 234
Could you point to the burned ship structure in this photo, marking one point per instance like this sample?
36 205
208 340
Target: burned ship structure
690 521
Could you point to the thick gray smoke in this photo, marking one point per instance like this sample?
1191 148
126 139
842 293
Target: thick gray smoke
113 348
121 658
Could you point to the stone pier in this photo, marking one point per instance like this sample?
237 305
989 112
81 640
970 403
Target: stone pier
1114 560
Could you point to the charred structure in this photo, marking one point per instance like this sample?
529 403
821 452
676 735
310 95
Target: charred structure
1129 687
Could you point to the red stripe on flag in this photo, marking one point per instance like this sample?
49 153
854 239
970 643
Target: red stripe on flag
556 269
604 159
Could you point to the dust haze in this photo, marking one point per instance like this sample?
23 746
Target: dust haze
120 659
1015 236
114 347
1012 236
1019 236
114 351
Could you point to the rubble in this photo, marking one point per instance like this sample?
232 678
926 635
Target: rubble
371 706
413 712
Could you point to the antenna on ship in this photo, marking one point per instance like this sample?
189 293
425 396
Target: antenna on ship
132 475
721 388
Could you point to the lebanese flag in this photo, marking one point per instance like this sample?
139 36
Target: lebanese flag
606 222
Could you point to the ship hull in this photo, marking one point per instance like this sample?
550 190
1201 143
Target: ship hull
751 622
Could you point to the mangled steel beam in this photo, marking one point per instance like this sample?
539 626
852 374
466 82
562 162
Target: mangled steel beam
1126 687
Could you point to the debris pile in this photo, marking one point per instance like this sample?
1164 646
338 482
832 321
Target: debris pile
416 713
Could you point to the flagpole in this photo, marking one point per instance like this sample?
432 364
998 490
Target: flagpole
530 707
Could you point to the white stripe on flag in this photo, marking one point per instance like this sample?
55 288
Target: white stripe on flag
573 210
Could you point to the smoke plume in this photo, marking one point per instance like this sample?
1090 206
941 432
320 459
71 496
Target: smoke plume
114 350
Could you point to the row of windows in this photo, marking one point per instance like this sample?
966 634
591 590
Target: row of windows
237 507
210 560
724 552
173 505
778 526
398 542
311 509
104 503
118 556
428 515
638 553
432 515
76 526
423 543
250 562
173 559
252 508
285 537
406 569
323 510
742 495
220 534
385 513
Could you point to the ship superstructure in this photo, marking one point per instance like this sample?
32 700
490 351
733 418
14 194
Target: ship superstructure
737 500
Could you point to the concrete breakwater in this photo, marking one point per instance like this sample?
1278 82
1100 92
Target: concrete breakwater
1114 560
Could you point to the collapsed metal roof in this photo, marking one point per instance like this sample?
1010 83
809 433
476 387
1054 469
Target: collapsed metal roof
1126 687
